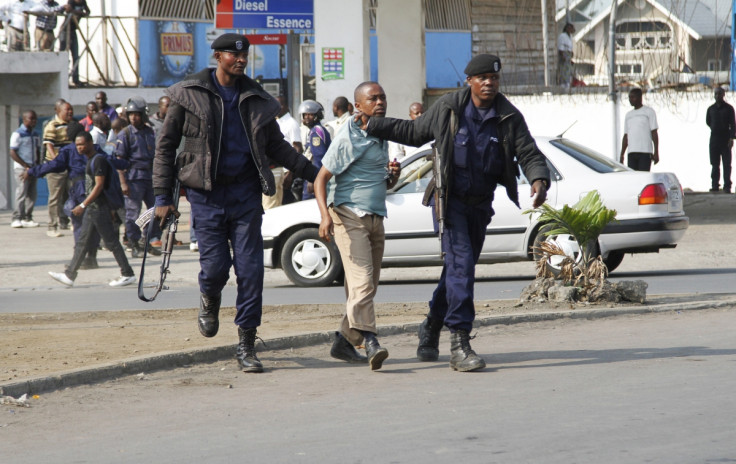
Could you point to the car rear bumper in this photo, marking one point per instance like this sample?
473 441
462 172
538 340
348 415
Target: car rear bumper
643 235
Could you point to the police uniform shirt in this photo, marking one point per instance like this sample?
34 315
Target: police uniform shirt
235 158
138 146
318 141
478 162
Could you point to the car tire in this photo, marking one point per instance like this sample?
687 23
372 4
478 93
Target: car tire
566 242
613 260
310 261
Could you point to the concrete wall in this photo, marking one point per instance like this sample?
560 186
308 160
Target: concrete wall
401 69
345 25
683 134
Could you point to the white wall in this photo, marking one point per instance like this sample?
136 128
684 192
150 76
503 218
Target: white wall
340 23
683 134
401 69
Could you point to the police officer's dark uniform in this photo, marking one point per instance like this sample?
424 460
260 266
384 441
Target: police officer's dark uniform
480 147
137 145
230 138
720 119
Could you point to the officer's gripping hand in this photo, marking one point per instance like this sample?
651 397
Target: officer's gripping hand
361 119
539 192
163 212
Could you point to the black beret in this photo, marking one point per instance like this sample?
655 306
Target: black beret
231 43
481 64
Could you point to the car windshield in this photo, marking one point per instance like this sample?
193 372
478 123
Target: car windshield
587 156
415 175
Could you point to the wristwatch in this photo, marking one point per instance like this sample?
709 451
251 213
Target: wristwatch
81 205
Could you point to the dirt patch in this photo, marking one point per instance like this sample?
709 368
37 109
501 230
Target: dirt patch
43 344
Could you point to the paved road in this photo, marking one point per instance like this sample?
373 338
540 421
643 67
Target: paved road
408 289
655 388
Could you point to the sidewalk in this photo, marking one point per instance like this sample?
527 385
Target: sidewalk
43 352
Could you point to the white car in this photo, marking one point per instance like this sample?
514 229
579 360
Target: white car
649 205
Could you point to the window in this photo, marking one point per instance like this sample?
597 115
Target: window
588 157
714 65
643 35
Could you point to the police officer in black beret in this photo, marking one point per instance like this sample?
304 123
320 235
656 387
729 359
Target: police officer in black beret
231 137
481 140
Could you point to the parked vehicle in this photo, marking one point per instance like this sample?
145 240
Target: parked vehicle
649 205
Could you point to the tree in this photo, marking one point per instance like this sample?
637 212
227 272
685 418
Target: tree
584 222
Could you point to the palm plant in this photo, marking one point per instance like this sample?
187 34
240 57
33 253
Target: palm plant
584 222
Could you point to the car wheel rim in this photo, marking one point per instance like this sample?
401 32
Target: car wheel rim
569 246
311 259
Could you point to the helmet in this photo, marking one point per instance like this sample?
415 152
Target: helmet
136 105
312 107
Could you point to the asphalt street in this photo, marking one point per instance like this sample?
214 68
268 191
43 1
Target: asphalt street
649 388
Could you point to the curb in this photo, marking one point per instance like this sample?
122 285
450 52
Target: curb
171 360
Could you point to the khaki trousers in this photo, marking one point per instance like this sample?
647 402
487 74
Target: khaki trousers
360 241
58 192
278 198
44 39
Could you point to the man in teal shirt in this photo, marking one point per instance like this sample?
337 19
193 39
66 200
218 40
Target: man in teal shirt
351 193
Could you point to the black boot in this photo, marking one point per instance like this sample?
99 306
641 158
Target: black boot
463 358
375 352
135 249
151 249
209 311
429 339
343 350
246 352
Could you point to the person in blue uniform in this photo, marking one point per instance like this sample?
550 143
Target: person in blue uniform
232 138
69 159
481 141
318 139
136 144
97 215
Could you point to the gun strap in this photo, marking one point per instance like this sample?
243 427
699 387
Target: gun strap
146 239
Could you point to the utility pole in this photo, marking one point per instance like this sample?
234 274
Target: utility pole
612 91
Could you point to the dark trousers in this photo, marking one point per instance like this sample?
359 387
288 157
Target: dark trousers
224 218
462 242
640 161
77 196
139 191
97 218
720 153
73 46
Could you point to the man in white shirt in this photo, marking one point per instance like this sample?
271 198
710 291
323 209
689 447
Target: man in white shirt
564 55
640 134
341 111
17 29
398 151
290 128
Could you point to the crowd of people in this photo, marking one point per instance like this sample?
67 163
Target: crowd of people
14 19
62 153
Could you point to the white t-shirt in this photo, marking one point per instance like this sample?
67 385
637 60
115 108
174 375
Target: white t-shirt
638 127
334 126
564 42
25 146
290 128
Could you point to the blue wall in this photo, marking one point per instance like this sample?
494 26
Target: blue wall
447 54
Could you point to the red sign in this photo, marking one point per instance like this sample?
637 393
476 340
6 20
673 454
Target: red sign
267 39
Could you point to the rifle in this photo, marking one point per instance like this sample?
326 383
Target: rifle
439 195
146 222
